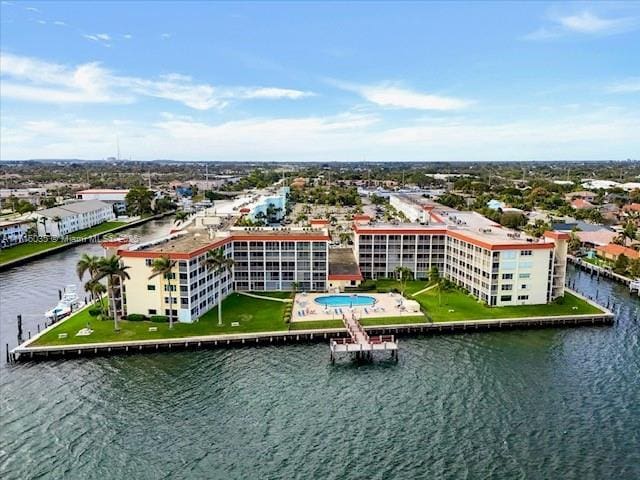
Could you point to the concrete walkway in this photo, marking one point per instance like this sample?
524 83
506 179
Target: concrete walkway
424 290
275 299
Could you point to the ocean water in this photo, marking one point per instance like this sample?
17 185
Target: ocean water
536 404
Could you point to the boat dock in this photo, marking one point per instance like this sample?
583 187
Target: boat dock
634 285
360 343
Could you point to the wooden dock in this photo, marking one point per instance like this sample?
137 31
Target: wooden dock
360 343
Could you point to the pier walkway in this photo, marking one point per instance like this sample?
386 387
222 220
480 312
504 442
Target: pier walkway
359 341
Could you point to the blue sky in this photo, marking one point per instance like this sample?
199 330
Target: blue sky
320 81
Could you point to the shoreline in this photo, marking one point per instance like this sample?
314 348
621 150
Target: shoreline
27 352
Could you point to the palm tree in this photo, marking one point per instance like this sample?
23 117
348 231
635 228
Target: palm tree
112 269
436 279
43 221
218 262
180 216
91 264
163 266
57 220
629 232
96 289
403 274
88 263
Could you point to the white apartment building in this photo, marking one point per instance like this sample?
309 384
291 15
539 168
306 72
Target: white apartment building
113 197
13 232
72 217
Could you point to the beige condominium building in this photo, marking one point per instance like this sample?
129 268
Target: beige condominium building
263 260
498 266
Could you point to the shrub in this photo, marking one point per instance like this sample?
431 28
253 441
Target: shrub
95 311
159 318
136 317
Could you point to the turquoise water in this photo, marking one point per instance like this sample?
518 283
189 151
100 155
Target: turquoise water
345 300
535 404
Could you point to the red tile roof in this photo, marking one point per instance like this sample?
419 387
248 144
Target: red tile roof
581 204
616 250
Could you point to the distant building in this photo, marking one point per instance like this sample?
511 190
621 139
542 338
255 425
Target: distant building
13 232
31 195
585 195
599 184
596 239
633 207
613 251
630 186
72 217
581 204
116 198
495 204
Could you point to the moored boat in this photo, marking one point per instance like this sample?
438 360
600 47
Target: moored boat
70 302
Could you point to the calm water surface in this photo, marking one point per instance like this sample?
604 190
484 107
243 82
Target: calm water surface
539 404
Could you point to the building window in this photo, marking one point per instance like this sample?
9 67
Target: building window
526 253
152 311
523 297
524 286
507 276
506 287
524 275
148 262
151 287
505 298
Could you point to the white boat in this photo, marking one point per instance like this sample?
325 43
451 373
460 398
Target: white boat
67 304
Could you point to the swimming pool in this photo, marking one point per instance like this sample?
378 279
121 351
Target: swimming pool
345 300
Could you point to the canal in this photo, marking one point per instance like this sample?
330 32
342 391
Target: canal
32 289
537 404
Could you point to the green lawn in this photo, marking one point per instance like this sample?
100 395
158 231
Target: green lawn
259 315
466 307
103 227
26 249
282 295
384 285
600 262
254 315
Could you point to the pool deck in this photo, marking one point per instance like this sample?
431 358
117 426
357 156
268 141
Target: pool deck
306 309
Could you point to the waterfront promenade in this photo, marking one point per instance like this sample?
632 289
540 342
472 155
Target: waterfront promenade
28 350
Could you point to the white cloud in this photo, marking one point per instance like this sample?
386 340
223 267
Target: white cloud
34 80
587 22
543 33
165 35
60 23
270 93
583 23
349 136
127 36
41 22
101 38
628 86
391 96
33 9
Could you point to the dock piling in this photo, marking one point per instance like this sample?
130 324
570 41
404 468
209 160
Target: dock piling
19 329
